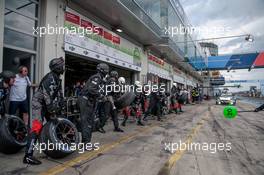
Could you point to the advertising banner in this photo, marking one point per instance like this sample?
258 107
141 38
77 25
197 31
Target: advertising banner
92 40
159 67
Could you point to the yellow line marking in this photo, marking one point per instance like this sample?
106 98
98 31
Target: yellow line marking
165 170
93 154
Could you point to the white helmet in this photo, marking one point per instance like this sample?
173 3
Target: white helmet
122 80
137 83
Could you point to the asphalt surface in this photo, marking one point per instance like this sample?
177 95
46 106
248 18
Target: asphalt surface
148 150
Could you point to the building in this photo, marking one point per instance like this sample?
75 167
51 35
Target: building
211 48
128 35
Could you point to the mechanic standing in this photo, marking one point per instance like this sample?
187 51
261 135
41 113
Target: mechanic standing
45 101
154 105
7 80
110 108
92 91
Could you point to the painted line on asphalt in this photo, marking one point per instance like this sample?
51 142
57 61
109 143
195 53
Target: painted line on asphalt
105 148
93 154
165 170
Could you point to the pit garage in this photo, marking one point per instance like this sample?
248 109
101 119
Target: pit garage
79 69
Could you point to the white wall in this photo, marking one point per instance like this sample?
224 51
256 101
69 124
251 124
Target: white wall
51 45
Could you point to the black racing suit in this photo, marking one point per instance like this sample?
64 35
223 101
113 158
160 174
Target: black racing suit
136 107
3 95
109 110
154 105
45 103
173 99
88 102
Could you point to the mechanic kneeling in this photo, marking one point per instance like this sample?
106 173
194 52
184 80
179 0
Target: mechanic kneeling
44 101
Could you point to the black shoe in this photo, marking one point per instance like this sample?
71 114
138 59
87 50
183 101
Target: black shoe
139 123
31 160
145 118
159 119
123 124
101 130
118 130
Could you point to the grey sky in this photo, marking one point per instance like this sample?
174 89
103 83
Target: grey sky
240 17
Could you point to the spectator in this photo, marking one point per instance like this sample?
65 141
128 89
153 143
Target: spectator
77 89
18 94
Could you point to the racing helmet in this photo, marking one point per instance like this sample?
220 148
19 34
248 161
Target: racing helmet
102 68
122 80
137 83
7 75
114 74
57 65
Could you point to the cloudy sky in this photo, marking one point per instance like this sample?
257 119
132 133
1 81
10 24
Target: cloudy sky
236 17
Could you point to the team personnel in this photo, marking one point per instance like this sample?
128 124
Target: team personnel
110 108
154 105
46 101
7 80
136 106
88 100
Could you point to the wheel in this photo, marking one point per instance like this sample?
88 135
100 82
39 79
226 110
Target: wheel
125 100
13 134
61 133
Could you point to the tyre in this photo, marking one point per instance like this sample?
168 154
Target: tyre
125 100
13 134
62 134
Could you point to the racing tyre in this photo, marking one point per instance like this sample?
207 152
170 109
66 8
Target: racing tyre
60 137
125 100
13 134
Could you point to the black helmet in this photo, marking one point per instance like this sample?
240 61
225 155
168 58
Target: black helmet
102 68
57 65
6 75
114 74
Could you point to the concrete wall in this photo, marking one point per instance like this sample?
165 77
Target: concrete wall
51 46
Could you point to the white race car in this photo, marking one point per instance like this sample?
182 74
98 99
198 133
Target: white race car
227 98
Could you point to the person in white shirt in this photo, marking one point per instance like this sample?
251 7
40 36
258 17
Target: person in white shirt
18 94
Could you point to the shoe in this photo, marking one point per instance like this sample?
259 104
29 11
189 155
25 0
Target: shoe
139 123
159 119
31 160
123 124
145 118
118 130
101 130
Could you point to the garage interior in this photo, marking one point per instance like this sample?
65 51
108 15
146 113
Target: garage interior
79 69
